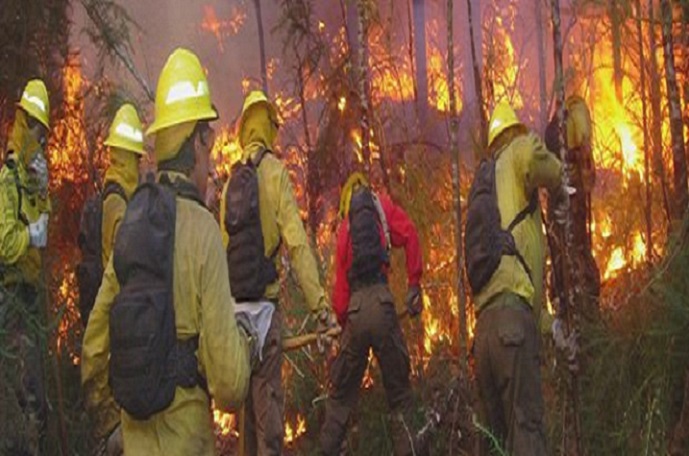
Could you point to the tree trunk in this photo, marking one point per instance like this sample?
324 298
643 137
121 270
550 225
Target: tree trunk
685 55
542 84
477 78
656 119
410 26
261 46
419 7
570 281
679 160
457 200
362 75
644 120
616 25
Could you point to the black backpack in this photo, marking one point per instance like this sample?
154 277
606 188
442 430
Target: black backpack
147 361
249 269
366 218
90 241
485 240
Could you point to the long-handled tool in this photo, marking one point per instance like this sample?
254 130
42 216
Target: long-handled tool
297 342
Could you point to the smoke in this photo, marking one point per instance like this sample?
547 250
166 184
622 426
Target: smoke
166 25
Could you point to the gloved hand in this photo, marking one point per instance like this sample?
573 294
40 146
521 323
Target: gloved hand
114 445
325 321
251 335
38 171
38 232
560 199
569 345
414 301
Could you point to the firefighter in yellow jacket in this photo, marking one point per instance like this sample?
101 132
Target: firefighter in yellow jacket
509 302
203 303
24 213
279 222
126 146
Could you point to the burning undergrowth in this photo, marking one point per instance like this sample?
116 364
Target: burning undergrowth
321 142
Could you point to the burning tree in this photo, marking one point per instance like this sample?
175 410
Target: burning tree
401 120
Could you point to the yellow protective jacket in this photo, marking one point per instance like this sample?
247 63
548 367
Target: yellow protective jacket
19 262
280 220
204 306
521 167
124 171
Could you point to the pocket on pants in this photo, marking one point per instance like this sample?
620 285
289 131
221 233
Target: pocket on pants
529 417
511 331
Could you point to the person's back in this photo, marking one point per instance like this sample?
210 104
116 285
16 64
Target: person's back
522 166
280 223
371 225
203 304
125 144
508 306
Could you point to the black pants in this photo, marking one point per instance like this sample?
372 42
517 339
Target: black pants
371 324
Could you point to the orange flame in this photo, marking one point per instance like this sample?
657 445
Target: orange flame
293 432
222 28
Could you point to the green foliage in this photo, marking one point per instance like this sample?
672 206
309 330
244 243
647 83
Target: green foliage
634 365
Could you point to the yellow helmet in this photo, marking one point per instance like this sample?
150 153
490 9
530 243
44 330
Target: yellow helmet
182 94
125 131
354 181
254 98
503 118
35 101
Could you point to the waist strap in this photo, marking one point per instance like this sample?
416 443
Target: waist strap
185 364
363 282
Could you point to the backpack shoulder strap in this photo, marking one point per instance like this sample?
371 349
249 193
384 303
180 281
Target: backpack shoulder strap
260 155
183 189
112 187
528 210
383 221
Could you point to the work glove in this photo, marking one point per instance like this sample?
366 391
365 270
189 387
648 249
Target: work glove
38 172
114 445
560 200
251 335
569 345
325 321
38 232
414 302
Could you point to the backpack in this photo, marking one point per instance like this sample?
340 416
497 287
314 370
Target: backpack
147 361
366 218
485 241
90 241
249 269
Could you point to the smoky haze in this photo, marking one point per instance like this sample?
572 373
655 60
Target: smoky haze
234 55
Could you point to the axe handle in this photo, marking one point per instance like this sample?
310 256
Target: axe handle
297 342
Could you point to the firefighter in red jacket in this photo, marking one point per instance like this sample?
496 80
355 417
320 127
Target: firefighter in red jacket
364 306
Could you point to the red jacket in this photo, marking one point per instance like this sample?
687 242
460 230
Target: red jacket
402 234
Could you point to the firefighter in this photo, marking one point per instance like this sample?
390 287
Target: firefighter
371 225
582 177
258 213
103 212
25 208
209 340
126 145
508 295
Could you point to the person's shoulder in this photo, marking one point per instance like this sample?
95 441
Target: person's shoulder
271 162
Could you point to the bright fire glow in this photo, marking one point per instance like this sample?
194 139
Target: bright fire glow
222 29
294 431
